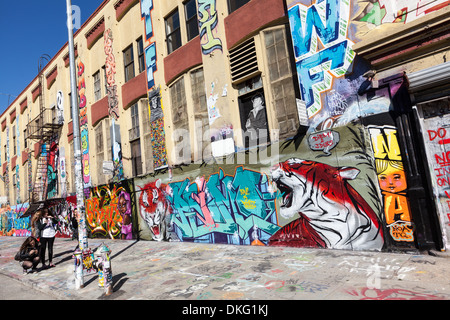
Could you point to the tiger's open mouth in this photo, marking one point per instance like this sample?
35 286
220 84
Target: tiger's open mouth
287 194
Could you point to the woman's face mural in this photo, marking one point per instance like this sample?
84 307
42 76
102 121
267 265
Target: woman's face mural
392 180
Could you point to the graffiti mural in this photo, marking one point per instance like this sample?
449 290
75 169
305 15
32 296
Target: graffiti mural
325 22
155 210
65 213
332 214
109 211
437 141
110 66
157 116
84 131
52 172
377 12
234 208
303 203
207 20
392 182
113 105
11 222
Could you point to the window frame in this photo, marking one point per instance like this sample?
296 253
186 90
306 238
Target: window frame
189 20
175 32
97 86
128 65
141 54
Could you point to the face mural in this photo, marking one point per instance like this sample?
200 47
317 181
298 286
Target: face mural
332 214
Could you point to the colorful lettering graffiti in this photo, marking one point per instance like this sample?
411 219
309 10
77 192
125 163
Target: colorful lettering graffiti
18 199
392 182
110 66
317 66
332 214
11 222
84 125
237 209
208 20
157 126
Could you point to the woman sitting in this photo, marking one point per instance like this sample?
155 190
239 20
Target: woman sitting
28 254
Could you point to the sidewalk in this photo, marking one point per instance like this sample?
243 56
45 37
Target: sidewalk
144 270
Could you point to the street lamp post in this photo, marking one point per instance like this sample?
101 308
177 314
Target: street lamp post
82 233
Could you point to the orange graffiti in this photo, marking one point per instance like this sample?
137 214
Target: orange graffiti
104 218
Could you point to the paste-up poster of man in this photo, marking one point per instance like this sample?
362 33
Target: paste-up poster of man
256 122
154 101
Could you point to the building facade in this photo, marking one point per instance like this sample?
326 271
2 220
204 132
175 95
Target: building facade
259 122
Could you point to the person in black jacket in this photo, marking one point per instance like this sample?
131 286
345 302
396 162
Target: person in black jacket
47 231
28 254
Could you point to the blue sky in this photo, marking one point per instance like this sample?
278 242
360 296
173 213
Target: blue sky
29 29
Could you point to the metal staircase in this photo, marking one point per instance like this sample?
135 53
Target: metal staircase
44 130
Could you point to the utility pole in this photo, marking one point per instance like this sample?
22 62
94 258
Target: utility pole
82 233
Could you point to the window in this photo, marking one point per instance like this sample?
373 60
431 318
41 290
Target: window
233 5
71 105
99 152
180 122
135 141
136 157
97 86
25 140
14 140
190 8
147 134
141 56
134 131
179 107
128 61
106 79
54 114
173 33
281 81
201 113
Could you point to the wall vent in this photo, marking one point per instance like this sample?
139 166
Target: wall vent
243 61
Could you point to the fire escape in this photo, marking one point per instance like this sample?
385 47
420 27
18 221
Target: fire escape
44 130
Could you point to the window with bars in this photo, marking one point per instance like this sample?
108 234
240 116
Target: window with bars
173 32
281 81
190 8
97 86
128 62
